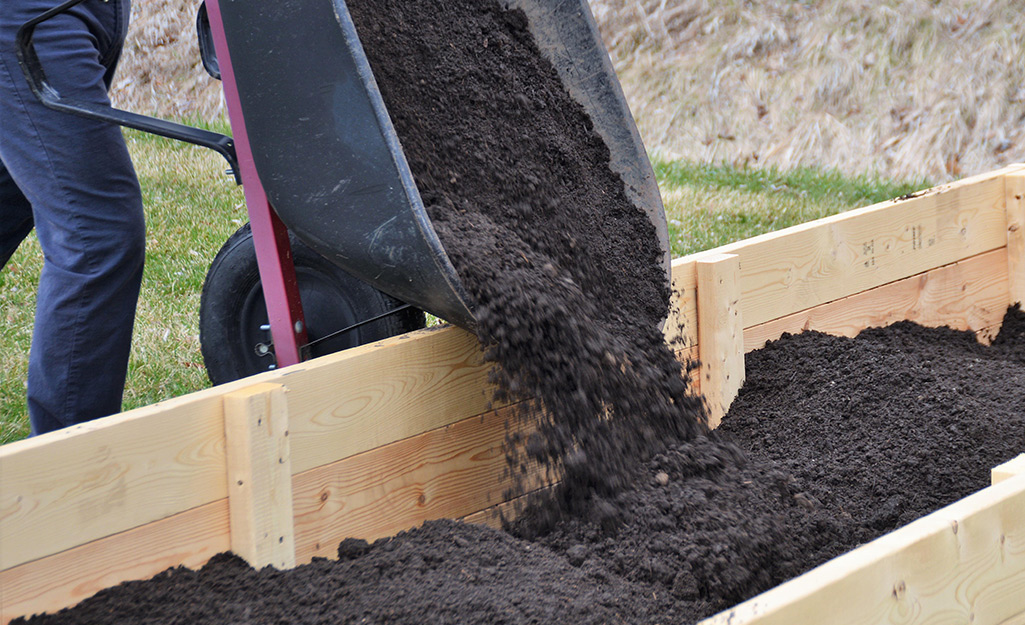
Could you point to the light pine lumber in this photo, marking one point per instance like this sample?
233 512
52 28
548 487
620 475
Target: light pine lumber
70 487
63 580
1015 208
259 476
383 392
720 333
810 264
686 355
507 510
962 564
1007 470
140 466
967 295
120 477
1017 619
681 326
449 472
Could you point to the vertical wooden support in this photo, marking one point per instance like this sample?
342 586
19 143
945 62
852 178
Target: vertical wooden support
259 476
1009 469
1015 210
720 332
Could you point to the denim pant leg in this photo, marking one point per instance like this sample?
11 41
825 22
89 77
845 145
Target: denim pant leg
15 215
86 207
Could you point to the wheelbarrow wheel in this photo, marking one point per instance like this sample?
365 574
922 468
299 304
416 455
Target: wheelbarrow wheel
233 315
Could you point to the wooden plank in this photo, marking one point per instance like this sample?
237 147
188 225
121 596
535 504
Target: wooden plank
140 466
962 564
493 516
259 476
681 327
62 580
1017 619
166 459
720 333
449 472
1009 469
70 487
690 355
967 295
1015 215
387 391
810 264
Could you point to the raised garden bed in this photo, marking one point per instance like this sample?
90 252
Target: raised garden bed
372 441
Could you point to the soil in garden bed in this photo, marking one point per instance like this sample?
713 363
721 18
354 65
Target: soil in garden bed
832 441
841 440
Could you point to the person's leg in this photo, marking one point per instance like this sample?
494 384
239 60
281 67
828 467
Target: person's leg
87 208
15 215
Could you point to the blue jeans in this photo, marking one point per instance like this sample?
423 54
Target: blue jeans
72 180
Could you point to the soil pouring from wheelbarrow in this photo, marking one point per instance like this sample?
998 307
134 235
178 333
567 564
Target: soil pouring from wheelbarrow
333 167
327 158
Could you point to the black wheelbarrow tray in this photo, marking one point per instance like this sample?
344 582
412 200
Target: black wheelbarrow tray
300 89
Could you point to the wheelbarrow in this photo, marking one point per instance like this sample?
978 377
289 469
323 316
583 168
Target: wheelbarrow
338 233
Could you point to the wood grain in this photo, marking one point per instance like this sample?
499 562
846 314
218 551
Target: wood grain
1015 210
107 476
259 476
384 392
967 295
401 412
47 585
449 472
681 327
810 264
720 333
494 516
962 564
137 467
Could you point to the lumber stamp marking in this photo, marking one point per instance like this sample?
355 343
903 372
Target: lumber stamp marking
1014 185
1008 469
259 476
967 295
720 332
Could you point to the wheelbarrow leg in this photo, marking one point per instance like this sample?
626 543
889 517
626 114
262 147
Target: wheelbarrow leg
273 252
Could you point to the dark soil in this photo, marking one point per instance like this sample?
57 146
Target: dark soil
565 270
845 439
832 441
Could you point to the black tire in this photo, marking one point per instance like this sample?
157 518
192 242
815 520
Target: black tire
232 309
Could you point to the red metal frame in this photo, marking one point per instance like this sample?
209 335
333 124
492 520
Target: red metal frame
273 252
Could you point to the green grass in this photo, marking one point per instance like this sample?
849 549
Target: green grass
711 205
192 208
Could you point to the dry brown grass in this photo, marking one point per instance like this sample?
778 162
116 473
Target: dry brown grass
904 89
160 72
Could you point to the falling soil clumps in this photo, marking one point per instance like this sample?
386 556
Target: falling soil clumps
832 441
566 271
845 440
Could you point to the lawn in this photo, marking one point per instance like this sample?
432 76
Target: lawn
192 208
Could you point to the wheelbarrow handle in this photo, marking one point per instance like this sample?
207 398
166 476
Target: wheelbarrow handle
51 98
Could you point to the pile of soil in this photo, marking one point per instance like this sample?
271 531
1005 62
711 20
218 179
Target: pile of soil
565 270
844 440
832 441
